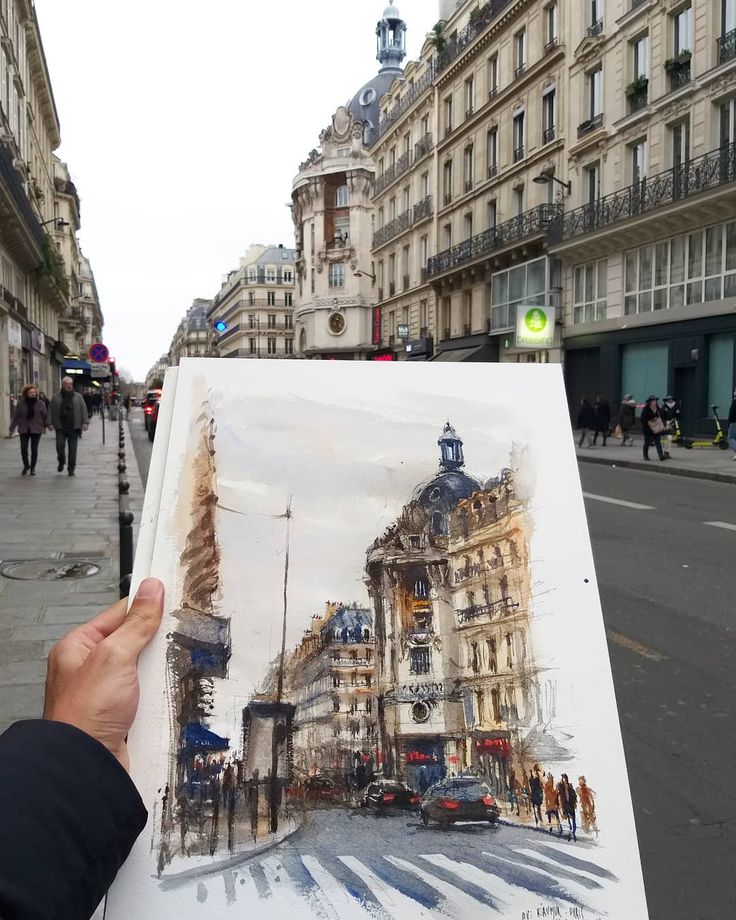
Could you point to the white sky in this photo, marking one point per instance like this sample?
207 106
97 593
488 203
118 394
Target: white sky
184 125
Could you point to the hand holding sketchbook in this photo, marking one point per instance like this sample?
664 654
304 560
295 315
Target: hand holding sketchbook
382 687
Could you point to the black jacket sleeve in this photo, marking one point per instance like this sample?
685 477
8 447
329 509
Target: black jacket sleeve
69 815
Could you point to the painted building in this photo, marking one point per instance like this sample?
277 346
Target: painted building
252 315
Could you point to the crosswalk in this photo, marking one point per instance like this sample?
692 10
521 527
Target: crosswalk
462 885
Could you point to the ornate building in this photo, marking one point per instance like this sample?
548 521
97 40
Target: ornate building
252 315
192 337
333 218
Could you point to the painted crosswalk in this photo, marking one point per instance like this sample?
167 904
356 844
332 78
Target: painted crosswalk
468 883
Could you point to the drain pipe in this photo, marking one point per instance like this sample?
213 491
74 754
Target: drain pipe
125 516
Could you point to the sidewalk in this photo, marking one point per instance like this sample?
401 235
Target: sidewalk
42 518
712 463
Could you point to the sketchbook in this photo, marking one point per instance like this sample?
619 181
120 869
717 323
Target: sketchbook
381 690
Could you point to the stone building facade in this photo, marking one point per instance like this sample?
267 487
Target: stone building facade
252 315
192 338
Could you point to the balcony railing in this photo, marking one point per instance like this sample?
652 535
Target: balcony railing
405 103
708 171
727 47
638 99
10 178
530 223
518 153
469 183
492 170
592 124
448 198
519 69
466 614
595 28
478 24
423 209
548 134
423 146
393 228
679 72
394 172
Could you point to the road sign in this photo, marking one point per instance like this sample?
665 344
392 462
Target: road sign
99 371
98 353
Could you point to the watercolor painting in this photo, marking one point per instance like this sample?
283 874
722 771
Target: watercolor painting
382 687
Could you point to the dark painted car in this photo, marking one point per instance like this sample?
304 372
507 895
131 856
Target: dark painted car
460 798
389 795
320 789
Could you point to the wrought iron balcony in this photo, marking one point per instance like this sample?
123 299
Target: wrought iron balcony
530 223
392 229
548 134
727 47
551 43
595 28
405 103
11 180
469 183
423 209
519 69
638 98
479 22
423 146
467 614
492 170
679 71
708 171
518 153
592 124
394 172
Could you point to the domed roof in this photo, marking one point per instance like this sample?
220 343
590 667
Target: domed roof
364 104
445 490
391 12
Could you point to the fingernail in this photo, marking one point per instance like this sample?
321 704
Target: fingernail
150 589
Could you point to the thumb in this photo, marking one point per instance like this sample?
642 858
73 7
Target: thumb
143 619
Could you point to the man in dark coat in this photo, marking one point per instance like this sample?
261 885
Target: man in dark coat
70 418
70 812
568 799
586 422
602 413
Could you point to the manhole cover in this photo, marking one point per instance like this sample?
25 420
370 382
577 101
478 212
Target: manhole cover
49 570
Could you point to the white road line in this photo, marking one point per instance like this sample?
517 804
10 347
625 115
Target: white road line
395 903
463 905
496 887
346 906
722 524
575 889
289 896
558 864
618 501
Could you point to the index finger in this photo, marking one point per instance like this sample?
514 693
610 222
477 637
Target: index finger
102 626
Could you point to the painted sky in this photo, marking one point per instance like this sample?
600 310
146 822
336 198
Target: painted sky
184 125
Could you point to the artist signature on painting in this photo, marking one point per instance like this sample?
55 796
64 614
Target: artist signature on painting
556 912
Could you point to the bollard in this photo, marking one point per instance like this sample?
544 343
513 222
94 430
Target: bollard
123 486
125 518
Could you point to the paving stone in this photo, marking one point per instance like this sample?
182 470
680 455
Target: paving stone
40 632
17 651
21 701
75 614
22 672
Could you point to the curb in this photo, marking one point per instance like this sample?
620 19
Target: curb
667 469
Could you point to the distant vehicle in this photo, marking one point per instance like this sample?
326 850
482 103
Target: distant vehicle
388 795
319 789
461 798
149 403
152 419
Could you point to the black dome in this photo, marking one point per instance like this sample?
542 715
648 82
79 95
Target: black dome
445 490
364 104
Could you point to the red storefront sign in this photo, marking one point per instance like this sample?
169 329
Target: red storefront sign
384 358
420 757
498 746
376 338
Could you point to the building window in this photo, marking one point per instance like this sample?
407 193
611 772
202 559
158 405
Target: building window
595 27
468 226
638 156
447 108
519 200
640 57
288 321
548 117
252 276
424 186
727 119
526 283
695 268
252 346
493 76
468 316
406 267
469 96
271 321
423 252
288 300
592 179
550 25
519 52
595 93
272 346
590 291
447 181
423 318
288 277
420 660
492 214
469 167
270 276
447 236
337 274
492 152
341 196
683 31
518 136
251 298
289 347
271 298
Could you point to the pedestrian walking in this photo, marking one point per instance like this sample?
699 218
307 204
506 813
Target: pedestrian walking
586 422
586 797
568 800
70 418
552 802
627 419
536 792
44 397
653 427
31 420
732 425
602 414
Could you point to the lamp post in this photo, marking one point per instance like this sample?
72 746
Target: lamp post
546 177
58 222
360 274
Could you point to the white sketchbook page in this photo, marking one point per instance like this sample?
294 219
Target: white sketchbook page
491 406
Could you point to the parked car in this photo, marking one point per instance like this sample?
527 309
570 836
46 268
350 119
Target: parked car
388 795
460 798
319 789
152 399
152 419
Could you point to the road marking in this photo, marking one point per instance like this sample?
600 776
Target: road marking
722 524
633 646
568 887
618 501
465 905
548 861
346 906
493 884
391 899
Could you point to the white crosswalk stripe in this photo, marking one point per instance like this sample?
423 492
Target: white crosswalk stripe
547 860
497 888
459 903
566 884
347 908
396 904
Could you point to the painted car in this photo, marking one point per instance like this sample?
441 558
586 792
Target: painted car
460 798
386 794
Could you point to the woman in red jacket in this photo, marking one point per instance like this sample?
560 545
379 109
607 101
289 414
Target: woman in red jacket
31 420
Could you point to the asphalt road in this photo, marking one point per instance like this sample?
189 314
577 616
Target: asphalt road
665 552
667 579
142 445
351 865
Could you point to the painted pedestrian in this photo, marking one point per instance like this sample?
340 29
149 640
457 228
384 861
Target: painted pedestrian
602 416
552 803
627 419
31 420
586 422
536 792
568 800
253 804
70 418
586 797
653 427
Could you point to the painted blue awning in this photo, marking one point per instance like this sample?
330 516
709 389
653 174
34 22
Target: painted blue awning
197 737
73 364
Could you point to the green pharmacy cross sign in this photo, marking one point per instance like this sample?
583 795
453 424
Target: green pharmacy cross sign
535 326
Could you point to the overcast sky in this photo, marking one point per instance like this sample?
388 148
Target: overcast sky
184 124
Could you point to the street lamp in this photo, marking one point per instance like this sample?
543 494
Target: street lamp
547 176
58 222
370 275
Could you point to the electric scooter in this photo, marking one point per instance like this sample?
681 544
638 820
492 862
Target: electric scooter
720 441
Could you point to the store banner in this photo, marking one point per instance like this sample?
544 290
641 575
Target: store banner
535 326
15 334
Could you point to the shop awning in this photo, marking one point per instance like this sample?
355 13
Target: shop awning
197 737
73 364
458 354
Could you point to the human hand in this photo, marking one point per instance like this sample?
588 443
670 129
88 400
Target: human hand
92 675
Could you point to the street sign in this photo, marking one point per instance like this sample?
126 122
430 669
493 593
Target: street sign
535 326
402 331
99 371
98 353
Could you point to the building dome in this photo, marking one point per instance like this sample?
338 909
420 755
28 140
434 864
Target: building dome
391 12
364 104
